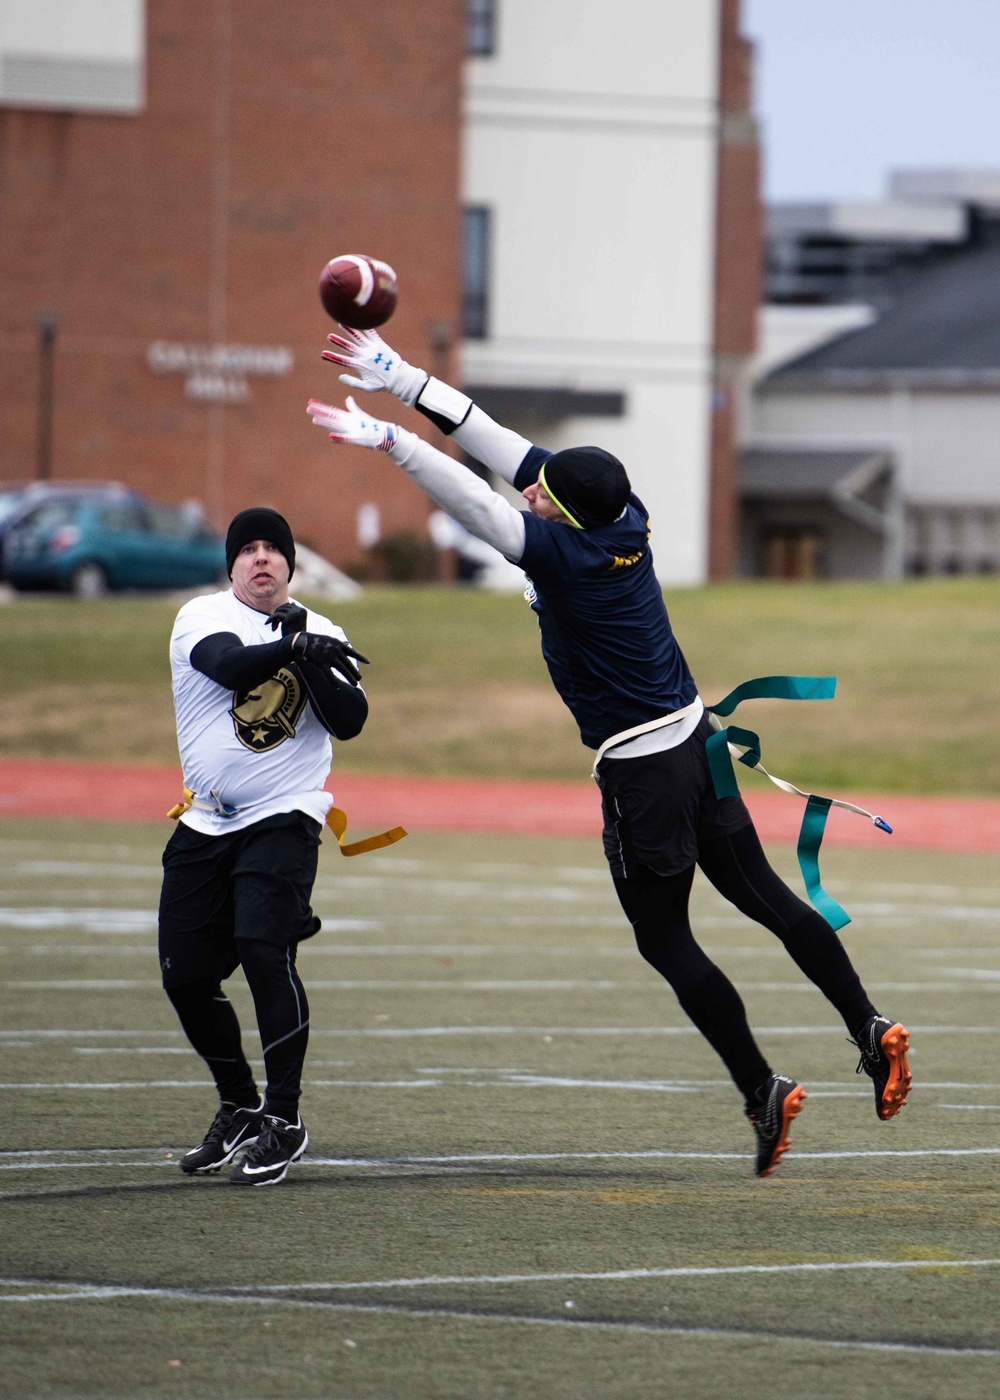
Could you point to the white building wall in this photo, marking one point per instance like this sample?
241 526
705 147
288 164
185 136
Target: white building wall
956 449
591 135
73 55
946 444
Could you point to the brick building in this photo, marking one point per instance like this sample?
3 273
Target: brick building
175 173
159 226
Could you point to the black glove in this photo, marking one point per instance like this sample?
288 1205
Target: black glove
290 617
329 652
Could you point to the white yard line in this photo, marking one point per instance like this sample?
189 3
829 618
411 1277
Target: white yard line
448 1032
373 985
85 1292
117 1159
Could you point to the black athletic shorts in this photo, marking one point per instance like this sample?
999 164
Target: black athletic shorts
660 807
254 884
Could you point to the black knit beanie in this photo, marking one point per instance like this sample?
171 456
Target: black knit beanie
590 485
259 523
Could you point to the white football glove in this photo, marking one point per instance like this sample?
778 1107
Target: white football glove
351 426
375 365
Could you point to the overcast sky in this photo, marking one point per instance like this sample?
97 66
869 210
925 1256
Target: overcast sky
847 90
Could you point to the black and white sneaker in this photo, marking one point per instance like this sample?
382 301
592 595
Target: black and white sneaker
267 1161
232 1129
883 1045
779 1100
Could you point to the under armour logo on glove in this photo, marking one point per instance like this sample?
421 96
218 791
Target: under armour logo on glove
374 365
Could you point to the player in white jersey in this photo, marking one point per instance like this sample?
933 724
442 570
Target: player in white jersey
260 683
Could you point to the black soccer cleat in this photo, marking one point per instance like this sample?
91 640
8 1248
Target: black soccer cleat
267 1161
883 1045
780 1100
232 1129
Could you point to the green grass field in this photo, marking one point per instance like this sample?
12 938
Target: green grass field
458 686
527 1177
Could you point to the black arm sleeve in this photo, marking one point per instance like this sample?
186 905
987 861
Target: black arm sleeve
340 708
224 659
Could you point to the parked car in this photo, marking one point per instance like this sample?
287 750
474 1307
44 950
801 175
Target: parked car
90 541
16 501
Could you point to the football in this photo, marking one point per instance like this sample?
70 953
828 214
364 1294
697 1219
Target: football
358 291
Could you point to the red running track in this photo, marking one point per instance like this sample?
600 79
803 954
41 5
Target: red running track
115 792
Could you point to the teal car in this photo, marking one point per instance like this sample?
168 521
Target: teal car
90 542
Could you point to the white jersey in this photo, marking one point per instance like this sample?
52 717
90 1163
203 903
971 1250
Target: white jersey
262 752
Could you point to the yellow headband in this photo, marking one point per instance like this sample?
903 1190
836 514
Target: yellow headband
565 509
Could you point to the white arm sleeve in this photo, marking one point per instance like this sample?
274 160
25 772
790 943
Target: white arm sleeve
500 449
465 496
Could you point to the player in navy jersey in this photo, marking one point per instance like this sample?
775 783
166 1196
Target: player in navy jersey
607 641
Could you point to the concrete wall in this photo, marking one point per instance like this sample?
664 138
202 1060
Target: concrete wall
591 134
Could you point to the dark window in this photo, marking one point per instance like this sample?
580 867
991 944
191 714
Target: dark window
481 27
476 273
170 521
51 515
121 515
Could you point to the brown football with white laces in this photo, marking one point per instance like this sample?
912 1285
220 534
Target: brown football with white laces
358 291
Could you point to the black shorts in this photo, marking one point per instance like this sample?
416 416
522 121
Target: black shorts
659 808
254 884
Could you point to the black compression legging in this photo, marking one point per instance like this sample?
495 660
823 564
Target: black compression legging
279 998
657 908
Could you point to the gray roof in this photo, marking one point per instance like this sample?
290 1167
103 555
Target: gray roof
943 328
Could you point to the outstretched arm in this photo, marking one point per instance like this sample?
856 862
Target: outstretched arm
374 365
465 496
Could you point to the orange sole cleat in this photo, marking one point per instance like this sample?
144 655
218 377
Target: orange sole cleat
895 1043
772 1121
790 1109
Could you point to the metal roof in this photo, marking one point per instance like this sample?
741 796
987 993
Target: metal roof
942 329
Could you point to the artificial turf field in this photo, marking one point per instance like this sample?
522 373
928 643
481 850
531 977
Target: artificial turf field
527 1177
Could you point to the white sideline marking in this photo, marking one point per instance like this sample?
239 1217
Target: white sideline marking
280 1295
973 1107
93 920
620 1275
989 982
124 1084
443 1032
553 985
489 1159
90 1292
109 920
652 1154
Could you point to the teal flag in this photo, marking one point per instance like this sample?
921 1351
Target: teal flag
810 839
724 775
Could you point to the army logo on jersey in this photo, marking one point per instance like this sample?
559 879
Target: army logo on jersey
266 716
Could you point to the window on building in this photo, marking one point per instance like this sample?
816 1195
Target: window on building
481 27
476 273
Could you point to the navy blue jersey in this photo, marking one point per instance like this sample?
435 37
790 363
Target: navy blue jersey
606 636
